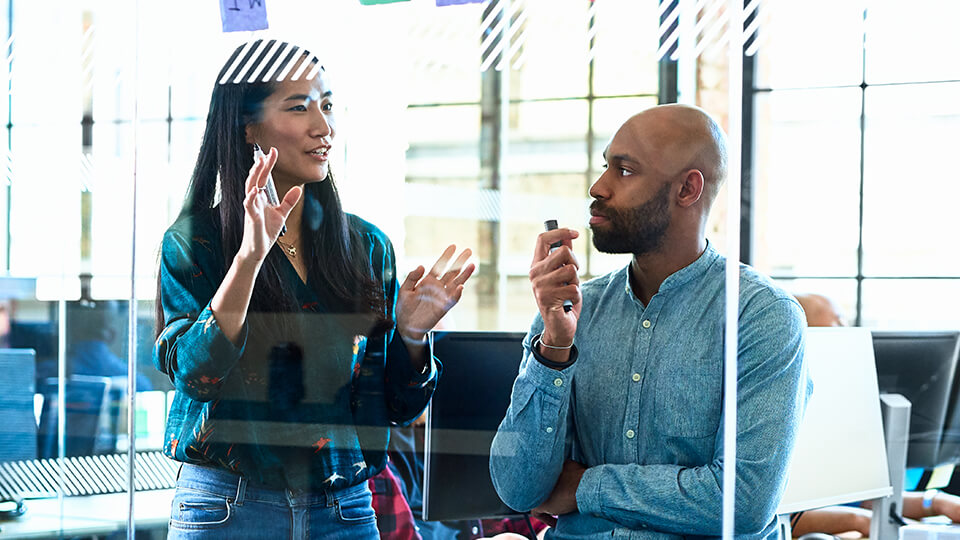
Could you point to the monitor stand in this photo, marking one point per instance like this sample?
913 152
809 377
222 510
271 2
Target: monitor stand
888 511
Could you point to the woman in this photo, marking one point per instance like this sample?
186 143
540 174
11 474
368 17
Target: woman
291 355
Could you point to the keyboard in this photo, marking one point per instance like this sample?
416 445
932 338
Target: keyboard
85 475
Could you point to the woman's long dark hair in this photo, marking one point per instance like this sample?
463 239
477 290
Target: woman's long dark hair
336 261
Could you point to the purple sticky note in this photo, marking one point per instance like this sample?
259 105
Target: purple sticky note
455 2
240 15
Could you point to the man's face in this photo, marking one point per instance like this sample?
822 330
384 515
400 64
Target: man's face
631 208
639 229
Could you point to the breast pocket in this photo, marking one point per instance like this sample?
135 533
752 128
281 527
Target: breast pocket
689 398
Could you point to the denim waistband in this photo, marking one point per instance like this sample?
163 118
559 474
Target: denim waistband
238 489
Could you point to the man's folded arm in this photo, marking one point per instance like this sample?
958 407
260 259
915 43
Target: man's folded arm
531 444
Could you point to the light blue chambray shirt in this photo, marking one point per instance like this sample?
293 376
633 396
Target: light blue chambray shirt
642 408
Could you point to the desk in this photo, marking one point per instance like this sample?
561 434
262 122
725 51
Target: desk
89 515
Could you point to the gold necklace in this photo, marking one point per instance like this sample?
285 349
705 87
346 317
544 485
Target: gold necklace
290 249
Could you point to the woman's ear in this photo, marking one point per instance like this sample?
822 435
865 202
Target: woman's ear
248 130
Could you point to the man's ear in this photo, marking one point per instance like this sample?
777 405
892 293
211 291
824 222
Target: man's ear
692 188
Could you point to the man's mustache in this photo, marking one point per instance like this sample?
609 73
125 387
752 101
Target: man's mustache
604 210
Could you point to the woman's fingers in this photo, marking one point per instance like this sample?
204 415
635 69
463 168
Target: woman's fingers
441 263
251 183
290 200
412 278
456 267
464 275
261 177
457 293
268 162
463 258
454 276
248 201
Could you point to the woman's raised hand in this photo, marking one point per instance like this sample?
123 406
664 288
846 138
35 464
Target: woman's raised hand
262 221
425 298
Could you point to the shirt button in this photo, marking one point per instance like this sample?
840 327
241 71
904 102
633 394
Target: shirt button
646 323
549 430
636 377
630 433
558 382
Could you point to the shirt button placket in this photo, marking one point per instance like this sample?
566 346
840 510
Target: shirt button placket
636 377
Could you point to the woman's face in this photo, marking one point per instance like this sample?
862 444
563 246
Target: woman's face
298 121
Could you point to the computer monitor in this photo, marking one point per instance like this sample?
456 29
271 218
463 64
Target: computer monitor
469 403
922 366
950 442
18 434
87 418
840 454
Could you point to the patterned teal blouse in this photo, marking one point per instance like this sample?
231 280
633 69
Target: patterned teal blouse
303 402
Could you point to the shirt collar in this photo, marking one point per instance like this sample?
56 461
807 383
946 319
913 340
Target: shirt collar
692 271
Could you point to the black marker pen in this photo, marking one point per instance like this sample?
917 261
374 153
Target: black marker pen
551 225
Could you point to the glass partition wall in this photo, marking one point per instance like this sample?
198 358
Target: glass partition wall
467 124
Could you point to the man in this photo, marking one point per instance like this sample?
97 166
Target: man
615 420
820 310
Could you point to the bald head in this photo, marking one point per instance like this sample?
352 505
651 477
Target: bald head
683 137
819 310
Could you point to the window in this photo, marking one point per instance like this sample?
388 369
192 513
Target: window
851 132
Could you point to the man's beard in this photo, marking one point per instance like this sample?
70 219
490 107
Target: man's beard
637 230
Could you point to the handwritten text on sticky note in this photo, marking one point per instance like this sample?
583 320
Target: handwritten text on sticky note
240 15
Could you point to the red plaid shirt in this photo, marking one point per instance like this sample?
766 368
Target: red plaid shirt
394 518
493 527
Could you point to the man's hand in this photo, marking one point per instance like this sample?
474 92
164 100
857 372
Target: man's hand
563 498
554 279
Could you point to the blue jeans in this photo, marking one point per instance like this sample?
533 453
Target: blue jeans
212 504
